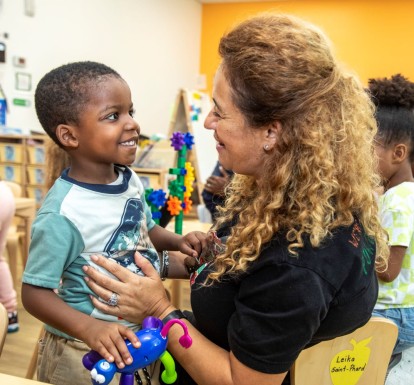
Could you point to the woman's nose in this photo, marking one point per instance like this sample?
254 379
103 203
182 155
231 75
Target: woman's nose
210 121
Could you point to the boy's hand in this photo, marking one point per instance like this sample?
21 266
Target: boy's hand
193 243
108 339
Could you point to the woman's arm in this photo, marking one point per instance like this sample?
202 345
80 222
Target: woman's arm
394 264
140 297
107 338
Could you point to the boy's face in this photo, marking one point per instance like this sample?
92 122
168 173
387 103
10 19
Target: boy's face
107 132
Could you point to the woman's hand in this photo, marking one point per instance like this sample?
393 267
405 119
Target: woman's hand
138 297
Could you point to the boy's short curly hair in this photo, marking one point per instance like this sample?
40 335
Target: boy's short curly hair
394 99
62 93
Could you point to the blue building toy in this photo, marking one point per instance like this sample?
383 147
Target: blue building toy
153 338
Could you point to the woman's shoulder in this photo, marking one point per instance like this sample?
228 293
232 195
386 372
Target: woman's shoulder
348 250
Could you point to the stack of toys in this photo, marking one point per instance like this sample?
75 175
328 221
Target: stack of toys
180 189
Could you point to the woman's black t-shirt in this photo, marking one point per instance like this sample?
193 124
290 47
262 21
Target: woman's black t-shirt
285 303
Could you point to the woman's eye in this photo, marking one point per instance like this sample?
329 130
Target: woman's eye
216 114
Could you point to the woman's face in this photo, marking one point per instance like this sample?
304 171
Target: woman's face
240 147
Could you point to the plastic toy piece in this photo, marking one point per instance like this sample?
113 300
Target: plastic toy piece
181 143
188 203
177 141
153 338
156 200
180 189
174 205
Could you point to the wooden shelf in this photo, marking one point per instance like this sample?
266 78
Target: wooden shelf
22 160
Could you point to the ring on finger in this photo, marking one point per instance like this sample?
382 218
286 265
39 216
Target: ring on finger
113 301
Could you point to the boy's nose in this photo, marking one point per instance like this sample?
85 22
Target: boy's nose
133 125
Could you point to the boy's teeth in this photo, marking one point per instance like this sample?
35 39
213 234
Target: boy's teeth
130 143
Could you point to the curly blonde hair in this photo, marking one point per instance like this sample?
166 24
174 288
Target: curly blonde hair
322 173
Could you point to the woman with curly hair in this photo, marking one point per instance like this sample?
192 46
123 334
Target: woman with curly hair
395 148
303 239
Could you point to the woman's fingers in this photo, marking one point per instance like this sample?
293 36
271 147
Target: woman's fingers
145 266
110 265
112 310
100 291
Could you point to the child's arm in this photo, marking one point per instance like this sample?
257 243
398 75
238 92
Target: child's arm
394 264
107 338
178 265
190 244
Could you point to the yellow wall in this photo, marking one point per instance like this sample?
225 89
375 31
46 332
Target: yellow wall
374 38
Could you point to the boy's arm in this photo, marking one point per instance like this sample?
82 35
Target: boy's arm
177 268
163 239
105 337
190 244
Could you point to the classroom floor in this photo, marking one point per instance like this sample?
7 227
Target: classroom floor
403 373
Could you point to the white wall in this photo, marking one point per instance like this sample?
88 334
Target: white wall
153 44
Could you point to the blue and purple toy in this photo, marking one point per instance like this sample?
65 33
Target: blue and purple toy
153 338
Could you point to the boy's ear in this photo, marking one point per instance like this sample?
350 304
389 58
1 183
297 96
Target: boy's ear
66 135
400 153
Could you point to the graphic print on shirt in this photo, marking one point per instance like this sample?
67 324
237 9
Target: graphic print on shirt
358 237
130 236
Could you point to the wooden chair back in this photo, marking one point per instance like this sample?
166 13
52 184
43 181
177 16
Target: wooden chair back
4 323
358 358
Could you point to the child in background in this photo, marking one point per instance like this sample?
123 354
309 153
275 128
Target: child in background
213 193
97 206
394 145
7 293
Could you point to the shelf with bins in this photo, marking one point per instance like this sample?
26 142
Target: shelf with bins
22 160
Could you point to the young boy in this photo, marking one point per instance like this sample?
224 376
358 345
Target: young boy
97 206
395 149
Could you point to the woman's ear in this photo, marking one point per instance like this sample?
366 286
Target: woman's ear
400 153
67 135
272 134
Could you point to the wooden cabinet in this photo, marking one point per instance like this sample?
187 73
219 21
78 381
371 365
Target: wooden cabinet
152 177
22 160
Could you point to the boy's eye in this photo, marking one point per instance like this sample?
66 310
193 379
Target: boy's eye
132 113
113 116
